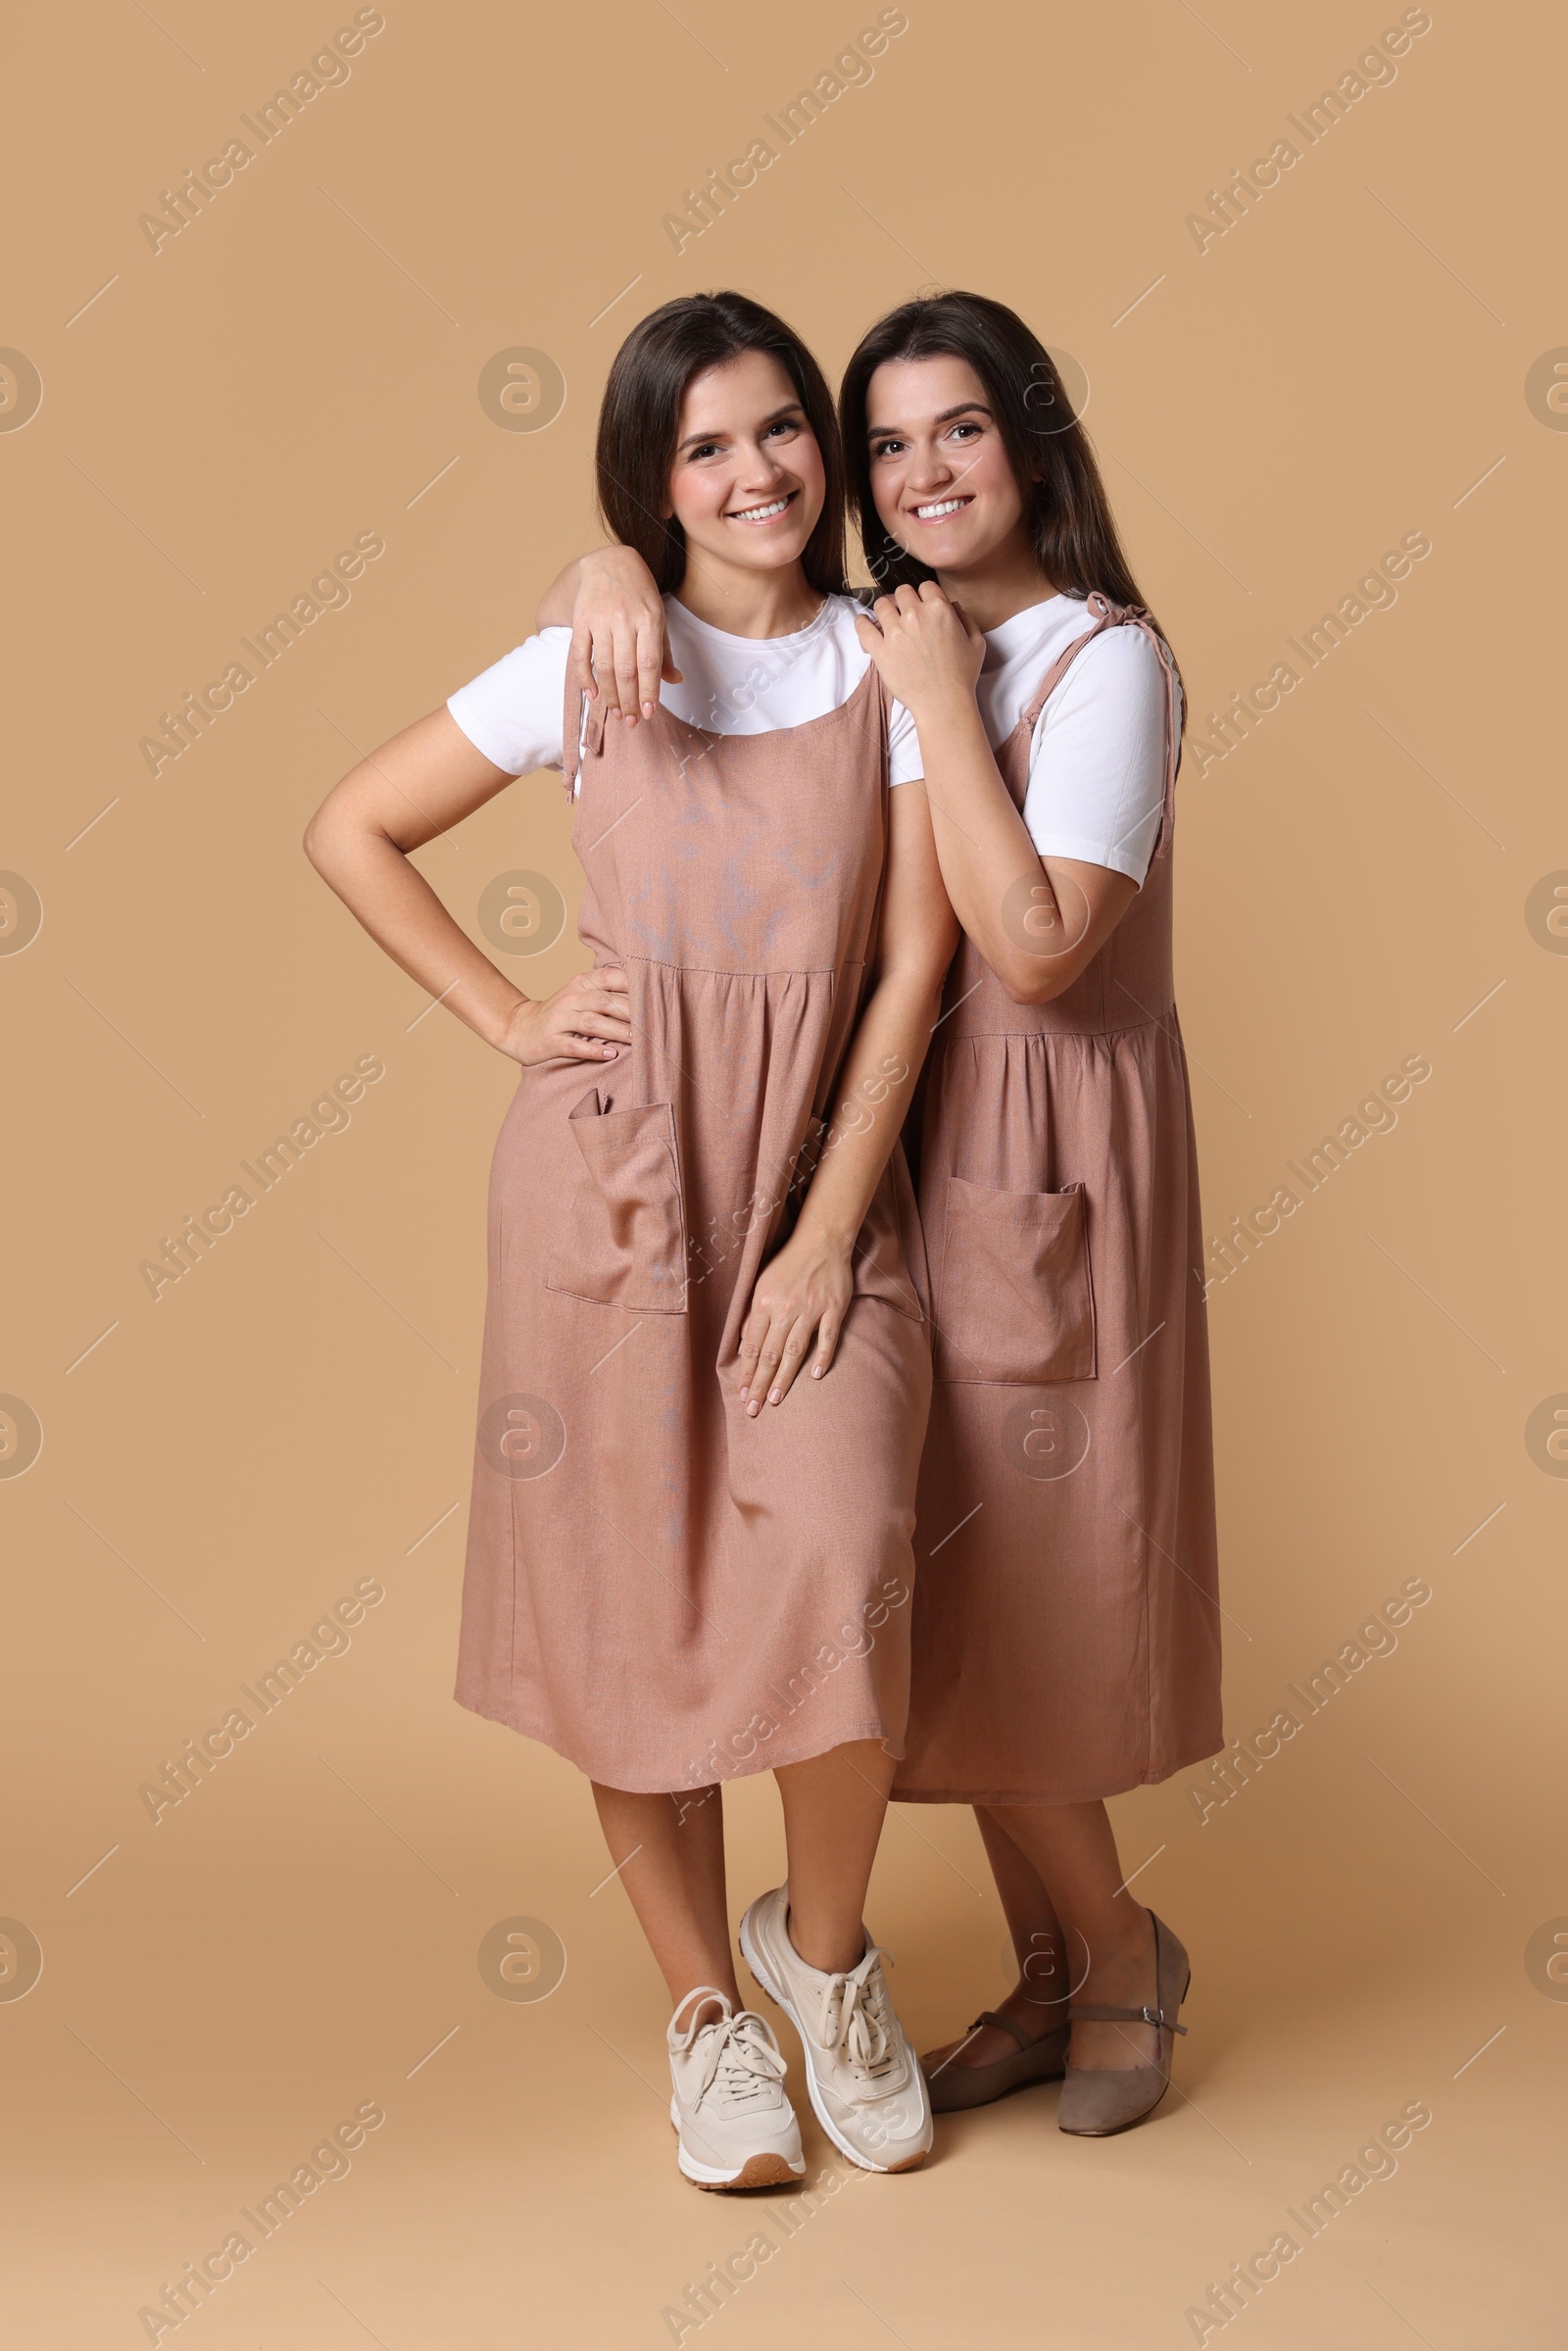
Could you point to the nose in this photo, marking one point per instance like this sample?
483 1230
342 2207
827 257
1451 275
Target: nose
928 469
762 470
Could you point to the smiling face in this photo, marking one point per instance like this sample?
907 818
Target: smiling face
748 481
941 475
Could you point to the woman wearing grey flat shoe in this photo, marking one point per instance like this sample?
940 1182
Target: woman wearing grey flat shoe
1066 1627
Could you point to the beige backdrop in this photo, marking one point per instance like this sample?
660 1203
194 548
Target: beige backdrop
320 355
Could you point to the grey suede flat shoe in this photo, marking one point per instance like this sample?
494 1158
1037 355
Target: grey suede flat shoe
1097 2101
954 2086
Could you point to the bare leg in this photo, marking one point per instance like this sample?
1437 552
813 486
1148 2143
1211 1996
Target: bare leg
834 1805
1036 2004
1109 1935
671 1855
1043 1975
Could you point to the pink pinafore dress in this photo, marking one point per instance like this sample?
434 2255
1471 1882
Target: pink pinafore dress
1066 1625
663 1590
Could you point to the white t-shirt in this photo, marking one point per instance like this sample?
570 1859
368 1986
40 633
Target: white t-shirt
514 712
1096 762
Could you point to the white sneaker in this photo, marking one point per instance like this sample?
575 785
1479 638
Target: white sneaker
737 2128
864 2080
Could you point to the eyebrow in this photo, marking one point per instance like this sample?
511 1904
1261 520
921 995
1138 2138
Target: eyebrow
790 408
965 408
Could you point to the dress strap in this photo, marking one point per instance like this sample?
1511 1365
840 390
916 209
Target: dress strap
1122 615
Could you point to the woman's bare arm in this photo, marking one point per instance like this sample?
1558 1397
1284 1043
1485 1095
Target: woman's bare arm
805 1291
1038 921
418 785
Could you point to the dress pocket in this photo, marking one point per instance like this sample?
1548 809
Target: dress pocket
1017 1302
622 1231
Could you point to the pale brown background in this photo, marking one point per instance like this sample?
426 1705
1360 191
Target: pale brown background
298 1412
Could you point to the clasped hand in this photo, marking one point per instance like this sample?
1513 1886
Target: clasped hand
927 647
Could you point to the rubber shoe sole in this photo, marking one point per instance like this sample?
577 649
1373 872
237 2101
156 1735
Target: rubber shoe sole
757 2171
911 2162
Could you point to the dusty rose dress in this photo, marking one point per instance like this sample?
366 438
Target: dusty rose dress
1067 1629
660 1589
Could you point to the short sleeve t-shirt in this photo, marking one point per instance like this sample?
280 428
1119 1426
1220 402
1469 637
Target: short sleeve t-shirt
514 712
1097 760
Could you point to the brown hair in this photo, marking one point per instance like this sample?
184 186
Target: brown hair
639 423
1073 533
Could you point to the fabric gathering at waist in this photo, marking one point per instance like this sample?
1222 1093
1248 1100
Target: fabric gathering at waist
611 957
987 1024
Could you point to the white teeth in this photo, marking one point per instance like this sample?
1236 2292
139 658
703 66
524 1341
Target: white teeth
932 513
761 513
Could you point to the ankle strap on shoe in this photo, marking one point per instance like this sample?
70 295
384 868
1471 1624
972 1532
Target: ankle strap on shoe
1094 2014
1025 2040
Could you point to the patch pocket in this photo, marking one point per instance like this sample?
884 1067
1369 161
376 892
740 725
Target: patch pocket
622 1232
1016 1303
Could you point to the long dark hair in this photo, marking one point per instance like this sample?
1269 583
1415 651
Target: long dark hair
1073 533
639 424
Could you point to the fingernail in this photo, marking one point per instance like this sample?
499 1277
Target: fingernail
776 1396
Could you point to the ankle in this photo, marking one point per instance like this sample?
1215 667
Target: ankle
1120 1942
1035 2005
708 2010
832 1953
1043 1973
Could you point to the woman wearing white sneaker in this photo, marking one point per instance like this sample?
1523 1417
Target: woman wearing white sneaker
683 1562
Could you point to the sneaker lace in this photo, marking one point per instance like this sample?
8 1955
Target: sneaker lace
855 2016
740 2054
